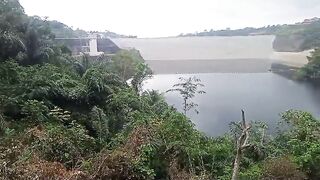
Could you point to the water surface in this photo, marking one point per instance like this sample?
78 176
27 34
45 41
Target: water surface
263 96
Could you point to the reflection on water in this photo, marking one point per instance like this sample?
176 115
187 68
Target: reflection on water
262 95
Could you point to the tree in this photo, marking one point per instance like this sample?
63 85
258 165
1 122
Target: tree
188 88
303 141
100 123
12 20
125 63
242 144
129 64
312 69
38 41
26 39
143 72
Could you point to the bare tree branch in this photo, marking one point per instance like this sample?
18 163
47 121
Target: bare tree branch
242 143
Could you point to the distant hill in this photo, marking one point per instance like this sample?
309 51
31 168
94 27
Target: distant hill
236 32
61 30
298 37
289 37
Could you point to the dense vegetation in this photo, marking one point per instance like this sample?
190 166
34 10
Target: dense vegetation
66 118
311 71
61 30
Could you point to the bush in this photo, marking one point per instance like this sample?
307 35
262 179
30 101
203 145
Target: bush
66 145
116 165
35 111
36 168
280 169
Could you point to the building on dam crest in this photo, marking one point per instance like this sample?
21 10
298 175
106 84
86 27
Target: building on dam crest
93 45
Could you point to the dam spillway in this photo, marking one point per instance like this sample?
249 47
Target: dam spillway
236 54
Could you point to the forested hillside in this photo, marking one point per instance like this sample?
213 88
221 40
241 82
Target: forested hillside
66 118
289 37
61 30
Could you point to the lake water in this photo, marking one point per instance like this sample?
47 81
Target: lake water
263 96
235 72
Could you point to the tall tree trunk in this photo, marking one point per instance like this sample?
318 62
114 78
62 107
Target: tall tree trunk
242 143
236 165
185 106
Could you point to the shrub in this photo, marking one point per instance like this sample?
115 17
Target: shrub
35 111
66 145
36 168
280 169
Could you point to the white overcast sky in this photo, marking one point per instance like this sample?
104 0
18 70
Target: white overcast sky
158 18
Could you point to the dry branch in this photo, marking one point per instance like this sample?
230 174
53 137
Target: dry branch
242 143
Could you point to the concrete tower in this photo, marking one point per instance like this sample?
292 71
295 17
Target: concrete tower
93 45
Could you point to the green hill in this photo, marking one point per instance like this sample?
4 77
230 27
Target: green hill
295 37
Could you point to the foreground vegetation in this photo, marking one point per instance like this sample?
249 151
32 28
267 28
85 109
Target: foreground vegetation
66 118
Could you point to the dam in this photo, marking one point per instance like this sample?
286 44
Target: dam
215 54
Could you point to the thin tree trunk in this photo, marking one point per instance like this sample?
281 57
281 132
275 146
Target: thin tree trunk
242 143
185 107
236 165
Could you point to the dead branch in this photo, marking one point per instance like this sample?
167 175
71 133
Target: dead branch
242 143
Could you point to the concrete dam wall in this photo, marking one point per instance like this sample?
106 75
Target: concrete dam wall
237 54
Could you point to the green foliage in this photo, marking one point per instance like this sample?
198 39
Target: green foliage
100 85
303 140
311 70
100 124
27 39
281 168
35 111
188 88
61 30
143 72
62 144
121 109
129 63
11 24
252 173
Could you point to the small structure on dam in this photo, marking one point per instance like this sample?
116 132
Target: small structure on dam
93 45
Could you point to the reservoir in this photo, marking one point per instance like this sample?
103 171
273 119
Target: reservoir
263 96
236 74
